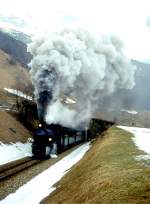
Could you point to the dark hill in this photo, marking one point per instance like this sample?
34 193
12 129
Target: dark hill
16 48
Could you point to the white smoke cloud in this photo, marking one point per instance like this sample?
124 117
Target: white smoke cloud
60 114
77 64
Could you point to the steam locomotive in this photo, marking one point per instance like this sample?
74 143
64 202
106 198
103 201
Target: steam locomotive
48 140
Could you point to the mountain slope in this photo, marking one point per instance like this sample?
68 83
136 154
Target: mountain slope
17 35
16 48
12 73
11 130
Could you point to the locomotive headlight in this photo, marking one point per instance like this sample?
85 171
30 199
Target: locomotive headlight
30 140
50 139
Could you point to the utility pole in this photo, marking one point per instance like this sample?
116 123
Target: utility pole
86 136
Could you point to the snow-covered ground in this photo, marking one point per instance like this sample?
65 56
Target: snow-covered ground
129 111
43 184
14 151
141 139
18 93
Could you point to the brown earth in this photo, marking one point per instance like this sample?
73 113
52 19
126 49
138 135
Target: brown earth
12 130
11 73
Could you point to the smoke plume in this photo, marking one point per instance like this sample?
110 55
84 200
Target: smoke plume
76 64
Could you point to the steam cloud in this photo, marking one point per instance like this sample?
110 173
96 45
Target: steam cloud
74 63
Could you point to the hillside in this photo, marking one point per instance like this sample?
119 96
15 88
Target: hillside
17 35
11 72
12 75
12 130
14 47
108 174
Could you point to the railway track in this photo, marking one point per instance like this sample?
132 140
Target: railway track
14 167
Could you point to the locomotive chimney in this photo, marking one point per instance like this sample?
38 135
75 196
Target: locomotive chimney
42 102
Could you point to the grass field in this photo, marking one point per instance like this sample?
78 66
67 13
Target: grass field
108 174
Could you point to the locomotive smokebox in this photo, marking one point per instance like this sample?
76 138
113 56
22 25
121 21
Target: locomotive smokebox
42 102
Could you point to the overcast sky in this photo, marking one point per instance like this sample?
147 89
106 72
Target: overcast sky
125 18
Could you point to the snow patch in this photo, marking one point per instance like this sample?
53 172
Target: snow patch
18 93
141 139
129 111
42 185
14 151
143 157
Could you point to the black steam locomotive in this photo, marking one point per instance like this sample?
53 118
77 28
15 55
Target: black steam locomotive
48 140
52 139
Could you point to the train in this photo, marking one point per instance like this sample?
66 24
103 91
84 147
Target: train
51 140
46 137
